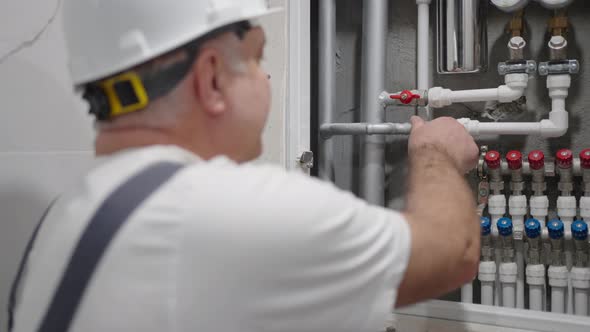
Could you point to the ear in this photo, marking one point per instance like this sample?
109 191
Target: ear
207 72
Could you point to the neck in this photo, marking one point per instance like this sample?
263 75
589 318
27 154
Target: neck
113 141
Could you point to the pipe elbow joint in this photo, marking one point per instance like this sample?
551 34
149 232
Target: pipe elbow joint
549 129
507 94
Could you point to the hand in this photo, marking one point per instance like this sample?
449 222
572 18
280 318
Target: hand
447 135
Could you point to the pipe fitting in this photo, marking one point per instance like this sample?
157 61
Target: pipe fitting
516 47
556 126
558 86
580 277
507 94
535 274
517 81
566 207
585 208
557 48
540 207
439 97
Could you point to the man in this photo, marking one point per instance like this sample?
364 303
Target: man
224 245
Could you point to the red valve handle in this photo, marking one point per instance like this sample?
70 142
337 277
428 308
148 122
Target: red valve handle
405 97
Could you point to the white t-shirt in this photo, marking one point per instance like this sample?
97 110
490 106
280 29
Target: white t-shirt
223 247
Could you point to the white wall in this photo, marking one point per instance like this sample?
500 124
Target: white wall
275 63
45 135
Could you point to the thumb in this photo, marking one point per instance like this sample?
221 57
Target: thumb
417 122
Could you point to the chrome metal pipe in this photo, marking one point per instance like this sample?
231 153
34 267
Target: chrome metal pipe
375 13
462 36
327 82
341 129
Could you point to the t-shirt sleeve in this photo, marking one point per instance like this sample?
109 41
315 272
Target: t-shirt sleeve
294 254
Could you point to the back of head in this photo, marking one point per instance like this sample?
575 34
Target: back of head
128 55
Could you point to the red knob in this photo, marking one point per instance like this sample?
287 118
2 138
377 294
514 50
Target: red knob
536 159
564 158
405 97
514 159
585 158
493 159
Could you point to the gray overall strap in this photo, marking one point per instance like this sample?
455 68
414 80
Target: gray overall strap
95 239
15 288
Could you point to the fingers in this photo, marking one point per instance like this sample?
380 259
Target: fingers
417 122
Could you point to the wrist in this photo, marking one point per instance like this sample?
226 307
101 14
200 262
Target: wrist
431 154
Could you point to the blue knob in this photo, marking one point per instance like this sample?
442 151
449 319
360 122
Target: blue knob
486 226
555 228
532 228
580 230
505 226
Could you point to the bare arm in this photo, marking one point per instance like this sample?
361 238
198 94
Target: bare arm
442 217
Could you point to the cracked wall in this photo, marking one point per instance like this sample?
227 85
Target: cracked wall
45 135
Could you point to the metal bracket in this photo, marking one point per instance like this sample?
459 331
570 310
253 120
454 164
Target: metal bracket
559 67
517 67
483 188
481 163
306 160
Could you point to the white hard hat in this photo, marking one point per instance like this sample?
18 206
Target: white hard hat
105 37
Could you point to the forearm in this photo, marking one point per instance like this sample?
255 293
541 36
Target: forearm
437 191
445 235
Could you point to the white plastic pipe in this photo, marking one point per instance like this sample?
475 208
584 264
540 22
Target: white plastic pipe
520 274
497 209
535 277
556 126
508 272
508 295
580 277
558 280
558 300
581 302
423 61
467 293
518 209
567 210
487 277
536 294
514 88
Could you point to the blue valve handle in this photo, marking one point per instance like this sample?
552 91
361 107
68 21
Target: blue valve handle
505 226
555 228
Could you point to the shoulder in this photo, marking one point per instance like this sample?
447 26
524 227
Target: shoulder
254 187
267 204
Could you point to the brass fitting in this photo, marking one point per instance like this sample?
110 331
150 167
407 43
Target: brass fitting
559 23
516 25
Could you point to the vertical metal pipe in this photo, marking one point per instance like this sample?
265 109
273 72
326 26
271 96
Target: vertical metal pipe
462 36
375 14
423 42
327 84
